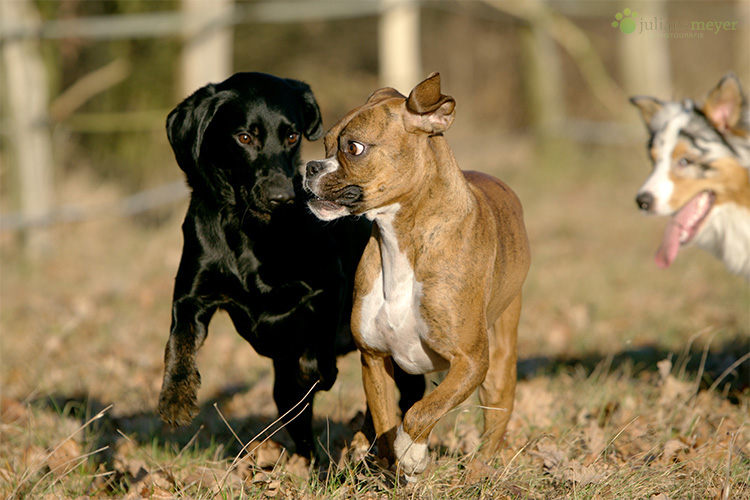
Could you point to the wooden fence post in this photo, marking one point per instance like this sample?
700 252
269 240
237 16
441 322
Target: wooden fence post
26 97
399 45
542 73
644 58
208 41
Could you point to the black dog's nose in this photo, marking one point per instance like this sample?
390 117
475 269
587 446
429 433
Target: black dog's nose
280 195
644 200
313 167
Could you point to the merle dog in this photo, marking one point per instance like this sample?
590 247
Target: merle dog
252 248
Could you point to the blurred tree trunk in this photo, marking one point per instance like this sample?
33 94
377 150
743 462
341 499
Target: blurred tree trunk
208 41
743 42
399 45
26 95
542 75
644 59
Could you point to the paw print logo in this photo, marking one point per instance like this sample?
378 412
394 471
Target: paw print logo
625 20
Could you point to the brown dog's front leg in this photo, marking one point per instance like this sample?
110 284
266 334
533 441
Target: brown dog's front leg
380 391
410 446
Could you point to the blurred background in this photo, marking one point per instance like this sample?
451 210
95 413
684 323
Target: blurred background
91 198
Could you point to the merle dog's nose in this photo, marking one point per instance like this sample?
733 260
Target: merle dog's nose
644 200
313 167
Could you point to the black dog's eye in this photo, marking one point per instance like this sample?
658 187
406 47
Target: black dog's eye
292 138
244 138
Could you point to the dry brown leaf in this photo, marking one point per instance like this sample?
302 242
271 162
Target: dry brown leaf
11 410
267 454
671 449
299 466
478 471
560 468
273 488
62 459
33 457
203 476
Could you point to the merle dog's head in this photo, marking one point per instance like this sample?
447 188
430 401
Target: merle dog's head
238 141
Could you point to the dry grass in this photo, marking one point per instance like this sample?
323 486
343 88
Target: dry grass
622 390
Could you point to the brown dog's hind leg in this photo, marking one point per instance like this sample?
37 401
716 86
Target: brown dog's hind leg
497 392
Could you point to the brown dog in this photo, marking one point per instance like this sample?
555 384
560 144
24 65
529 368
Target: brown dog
439 284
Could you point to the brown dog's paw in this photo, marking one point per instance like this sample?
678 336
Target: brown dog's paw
178 401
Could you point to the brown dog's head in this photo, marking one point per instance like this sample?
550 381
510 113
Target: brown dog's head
377 154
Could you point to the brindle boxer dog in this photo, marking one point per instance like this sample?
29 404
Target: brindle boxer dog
439 284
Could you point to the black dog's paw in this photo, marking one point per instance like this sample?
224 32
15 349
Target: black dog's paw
178 401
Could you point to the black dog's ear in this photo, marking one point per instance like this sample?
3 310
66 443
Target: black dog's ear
313 126
186 125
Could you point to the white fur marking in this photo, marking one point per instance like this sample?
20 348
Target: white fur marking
391 320
313 185
658 183
412 457
726 234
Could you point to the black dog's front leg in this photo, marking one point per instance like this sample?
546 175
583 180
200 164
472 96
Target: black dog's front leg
178 400
288 391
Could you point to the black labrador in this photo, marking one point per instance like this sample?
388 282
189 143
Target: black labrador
252 248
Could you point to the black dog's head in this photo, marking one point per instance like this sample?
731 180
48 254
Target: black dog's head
238 141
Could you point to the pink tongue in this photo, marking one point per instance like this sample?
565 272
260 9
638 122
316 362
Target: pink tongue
670 242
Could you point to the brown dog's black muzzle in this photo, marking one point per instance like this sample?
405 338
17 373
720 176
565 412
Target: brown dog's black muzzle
349 196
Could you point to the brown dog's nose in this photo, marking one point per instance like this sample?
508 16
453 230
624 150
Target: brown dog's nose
644 200
313 167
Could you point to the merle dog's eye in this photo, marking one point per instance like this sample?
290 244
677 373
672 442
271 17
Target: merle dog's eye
292 138
244 138
355 148
683 162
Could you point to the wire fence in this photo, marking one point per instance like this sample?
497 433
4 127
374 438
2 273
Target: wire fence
138 203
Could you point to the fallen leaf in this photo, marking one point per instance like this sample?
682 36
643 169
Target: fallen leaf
478 471
266 454
62 459
299 466
671 449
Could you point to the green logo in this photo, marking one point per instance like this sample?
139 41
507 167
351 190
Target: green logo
625 20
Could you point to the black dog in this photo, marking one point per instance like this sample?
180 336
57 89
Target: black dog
252 248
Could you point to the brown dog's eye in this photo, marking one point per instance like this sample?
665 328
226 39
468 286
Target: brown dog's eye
355 148
292 138
244 138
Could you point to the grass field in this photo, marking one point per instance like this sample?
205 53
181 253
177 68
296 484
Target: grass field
629 388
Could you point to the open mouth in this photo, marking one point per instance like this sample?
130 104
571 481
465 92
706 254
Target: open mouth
323 204
327 209
683 227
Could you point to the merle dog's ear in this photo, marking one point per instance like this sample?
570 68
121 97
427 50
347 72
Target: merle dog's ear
648 107
726 105
186 125
313 121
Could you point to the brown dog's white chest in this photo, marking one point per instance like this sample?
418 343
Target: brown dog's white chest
390 319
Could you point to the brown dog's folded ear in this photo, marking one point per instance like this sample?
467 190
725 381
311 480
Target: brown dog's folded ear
429 110
726 107
383 94
648 106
